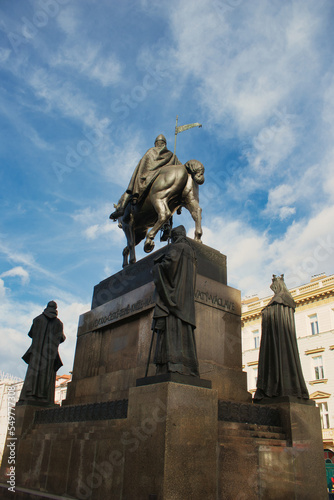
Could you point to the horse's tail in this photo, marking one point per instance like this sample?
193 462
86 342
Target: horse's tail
196 170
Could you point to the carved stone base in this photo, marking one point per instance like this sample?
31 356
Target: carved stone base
171 439
114 337
176 378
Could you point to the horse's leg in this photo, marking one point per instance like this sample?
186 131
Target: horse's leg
190 202
164 214
126 256
130 239
196 213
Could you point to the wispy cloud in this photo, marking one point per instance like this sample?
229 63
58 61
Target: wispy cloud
305 249
24 258
17 271
90 62
95 224
63 96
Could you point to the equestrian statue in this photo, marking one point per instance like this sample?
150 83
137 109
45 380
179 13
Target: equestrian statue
160 186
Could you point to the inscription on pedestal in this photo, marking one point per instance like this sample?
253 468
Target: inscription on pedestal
117 309
215 301
208 292
124 312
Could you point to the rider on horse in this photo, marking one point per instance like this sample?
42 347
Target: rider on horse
145 173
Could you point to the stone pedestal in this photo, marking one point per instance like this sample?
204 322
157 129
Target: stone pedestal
173 454
171 439
114 337
303 429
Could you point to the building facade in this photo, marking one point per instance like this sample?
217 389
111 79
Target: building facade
314 316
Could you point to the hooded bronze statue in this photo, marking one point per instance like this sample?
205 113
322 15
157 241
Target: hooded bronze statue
43 358
145 173
160 186
174 321
279 370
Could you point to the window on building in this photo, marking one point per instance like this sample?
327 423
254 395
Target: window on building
324 414
256 337
255 377
314 324
318 367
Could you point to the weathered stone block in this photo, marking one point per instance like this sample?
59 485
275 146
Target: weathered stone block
173 454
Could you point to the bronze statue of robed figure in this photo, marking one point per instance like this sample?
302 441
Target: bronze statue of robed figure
159 186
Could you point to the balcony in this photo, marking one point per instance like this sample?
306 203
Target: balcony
328 435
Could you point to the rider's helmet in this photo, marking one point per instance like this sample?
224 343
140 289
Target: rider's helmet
160 138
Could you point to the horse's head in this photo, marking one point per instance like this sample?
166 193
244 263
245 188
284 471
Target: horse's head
196 170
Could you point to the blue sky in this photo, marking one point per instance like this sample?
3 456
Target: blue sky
86 86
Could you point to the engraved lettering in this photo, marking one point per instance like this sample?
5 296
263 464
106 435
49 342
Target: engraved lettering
214 300
122 312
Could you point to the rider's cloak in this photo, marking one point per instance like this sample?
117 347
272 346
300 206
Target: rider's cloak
174 315
148 169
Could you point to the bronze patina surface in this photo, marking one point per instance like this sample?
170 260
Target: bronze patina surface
174 313
43 358
160 186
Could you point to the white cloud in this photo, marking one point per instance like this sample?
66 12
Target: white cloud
272 146
95 224
279 200
68 19
16 320
4 54
2 289
24 258
63 96
244 59
286 212
119 161
245 248
17 271
97 230
81 54
92 231
89 61
69 314
306 248
13 113
327 174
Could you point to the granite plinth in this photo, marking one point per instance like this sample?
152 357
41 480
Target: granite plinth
177 456
283 399
282 447
114 339
177 378
210 263
169 439
302 425
172 443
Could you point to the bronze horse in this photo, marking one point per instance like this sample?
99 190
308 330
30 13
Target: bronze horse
175 187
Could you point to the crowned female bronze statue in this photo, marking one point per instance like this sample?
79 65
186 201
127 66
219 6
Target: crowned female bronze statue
279 370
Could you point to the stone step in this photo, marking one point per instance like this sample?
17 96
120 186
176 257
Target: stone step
228 431
238 425
244 441
252 436
251 433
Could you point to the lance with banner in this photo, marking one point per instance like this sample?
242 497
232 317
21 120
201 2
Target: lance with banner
182 128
